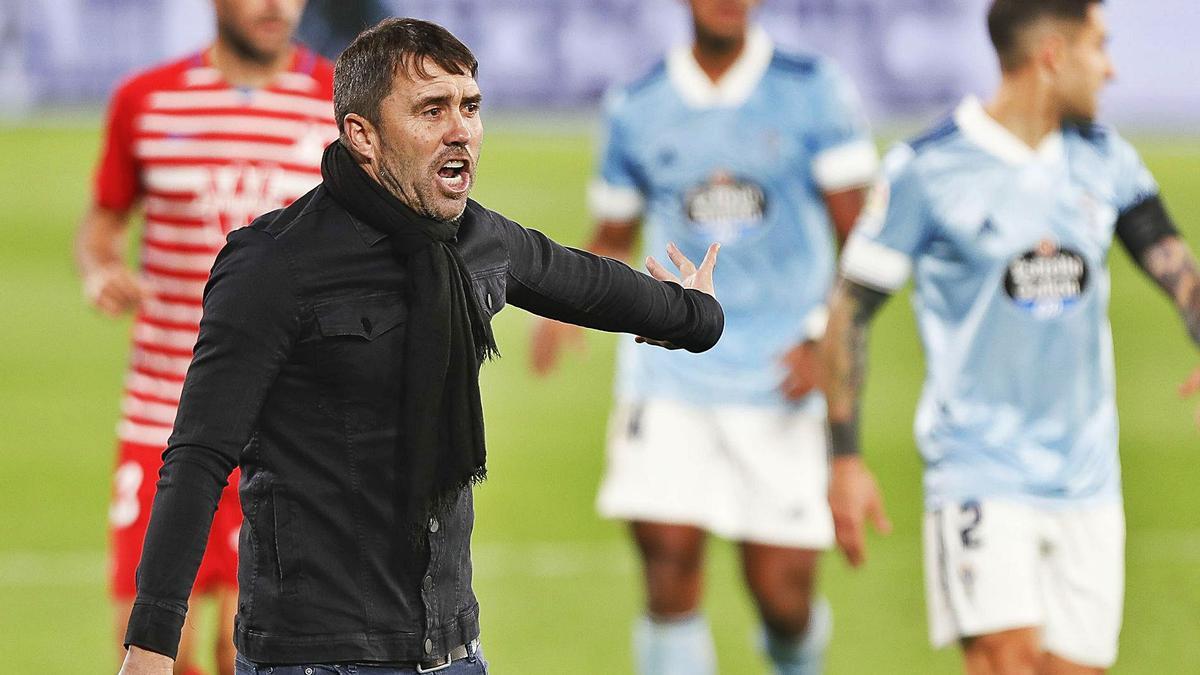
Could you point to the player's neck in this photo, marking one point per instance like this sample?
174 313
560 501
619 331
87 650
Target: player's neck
240 71
1025 107
716 55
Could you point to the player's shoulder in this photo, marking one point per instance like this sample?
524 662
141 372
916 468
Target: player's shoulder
800 65
645 85
167 75
307 63
1098 138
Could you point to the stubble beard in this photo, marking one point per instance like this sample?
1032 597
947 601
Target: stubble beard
423 196
244 47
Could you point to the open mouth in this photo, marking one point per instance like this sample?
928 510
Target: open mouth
455 176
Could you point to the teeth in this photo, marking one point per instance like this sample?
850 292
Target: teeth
454 164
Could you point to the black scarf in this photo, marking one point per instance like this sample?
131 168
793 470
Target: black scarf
440 447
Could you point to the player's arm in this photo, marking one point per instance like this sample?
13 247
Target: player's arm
1148 233
800 362
844 166
108 284
853 494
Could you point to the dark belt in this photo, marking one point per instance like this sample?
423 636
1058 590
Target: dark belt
441 662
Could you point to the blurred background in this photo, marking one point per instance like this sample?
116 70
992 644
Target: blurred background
559 587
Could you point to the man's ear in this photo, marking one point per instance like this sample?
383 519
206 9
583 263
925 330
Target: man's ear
361 136
1052 51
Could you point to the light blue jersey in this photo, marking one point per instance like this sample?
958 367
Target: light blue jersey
744 162
1009 250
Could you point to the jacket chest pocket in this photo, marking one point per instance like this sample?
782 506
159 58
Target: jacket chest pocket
489 288
362 339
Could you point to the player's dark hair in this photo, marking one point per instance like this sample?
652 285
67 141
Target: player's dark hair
1008 19
362 76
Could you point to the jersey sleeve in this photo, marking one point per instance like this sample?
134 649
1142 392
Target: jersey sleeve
1133 183
116 185
893 229
844 155
615 194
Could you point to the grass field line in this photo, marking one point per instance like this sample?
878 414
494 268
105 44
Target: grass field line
544 560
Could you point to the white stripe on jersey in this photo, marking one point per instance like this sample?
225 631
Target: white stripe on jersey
172 286
187 235
190 209
155 387
167 338
249 125
202 76
184 148
201 179
228 98
295 81
173 312
160 363
148 410
181 262
143 434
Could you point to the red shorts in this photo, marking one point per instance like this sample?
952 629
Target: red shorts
129 514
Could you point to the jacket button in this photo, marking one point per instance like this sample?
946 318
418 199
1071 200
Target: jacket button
428 584
428 646
434 525
366 324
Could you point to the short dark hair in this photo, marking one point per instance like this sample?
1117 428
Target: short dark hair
362 76
1007 19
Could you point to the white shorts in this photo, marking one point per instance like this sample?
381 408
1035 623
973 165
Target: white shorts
743 473
997 565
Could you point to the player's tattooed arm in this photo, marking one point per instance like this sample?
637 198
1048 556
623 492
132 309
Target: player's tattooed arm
1173 267
845 361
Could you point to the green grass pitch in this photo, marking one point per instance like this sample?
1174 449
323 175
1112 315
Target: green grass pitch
559 587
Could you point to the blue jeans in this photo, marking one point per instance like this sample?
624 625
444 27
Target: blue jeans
472 665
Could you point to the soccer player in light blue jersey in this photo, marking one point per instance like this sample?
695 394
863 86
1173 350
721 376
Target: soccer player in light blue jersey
1005 214
729 140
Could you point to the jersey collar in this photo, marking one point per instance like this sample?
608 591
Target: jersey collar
981 129
735 85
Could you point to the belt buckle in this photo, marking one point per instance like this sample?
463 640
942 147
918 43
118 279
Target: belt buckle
469 649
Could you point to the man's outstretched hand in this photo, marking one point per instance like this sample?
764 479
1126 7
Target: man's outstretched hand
690 276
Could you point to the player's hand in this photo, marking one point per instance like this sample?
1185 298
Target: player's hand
802 363
114 290
548 341
854 498
140 661
1189 389
690 276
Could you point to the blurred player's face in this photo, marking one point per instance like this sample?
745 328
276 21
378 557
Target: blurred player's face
722 19
259 30
1085 67
430 134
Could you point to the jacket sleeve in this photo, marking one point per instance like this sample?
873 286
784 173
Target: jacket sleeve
249 324
578 287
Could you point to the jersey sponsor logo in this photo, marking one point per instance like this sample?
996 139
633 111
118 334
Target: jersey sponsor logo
238 193
1047 281
725 208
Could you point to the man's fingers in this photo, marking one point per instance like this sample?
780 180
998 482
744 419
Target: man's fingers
659 272
850 539
710 259
686 267
879 517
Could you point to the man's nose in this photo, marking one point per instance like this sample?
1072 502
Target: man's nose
458 133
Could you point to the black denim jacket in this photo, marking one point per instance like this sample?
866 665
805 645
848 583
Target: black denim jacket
296 378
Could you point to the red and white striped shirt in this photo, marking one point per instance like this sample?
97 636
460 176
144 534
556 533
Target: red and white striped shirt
204 158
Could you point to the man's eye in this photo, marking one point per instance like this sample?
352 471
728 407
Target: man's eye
432 112
472 108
